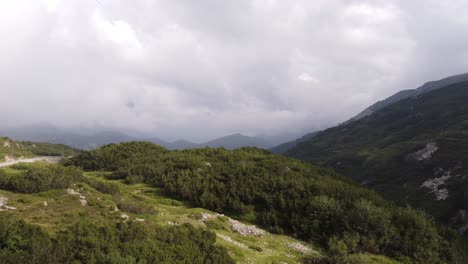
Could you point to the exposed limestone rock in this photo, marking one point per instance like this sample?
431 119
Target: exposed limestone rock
434 186
245 230
425 153
83 201
4 206
300 247
124 216
206 217
236 226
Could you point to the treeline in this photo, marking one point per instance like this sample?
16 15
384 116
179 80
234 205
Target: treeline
86 242
285 196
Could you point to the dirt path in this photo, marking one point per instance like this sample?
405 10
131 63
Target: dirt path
31 160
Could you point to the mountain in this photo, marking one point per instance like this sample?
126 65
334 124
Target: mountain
236 141
50 134
427 87
340 219
413 151
282 148
183 144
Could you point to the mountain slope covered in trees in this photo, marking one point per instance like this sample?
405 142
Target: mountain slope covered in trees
427 87
414 151
284 196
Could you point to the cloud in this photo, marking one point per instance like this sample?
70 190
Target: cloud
200 69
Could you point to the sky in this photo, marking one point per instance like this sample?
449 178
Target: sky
208 68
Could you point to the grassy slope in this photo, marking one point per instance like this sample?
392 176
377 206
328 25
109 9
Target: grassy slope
26 149
62 208
53 210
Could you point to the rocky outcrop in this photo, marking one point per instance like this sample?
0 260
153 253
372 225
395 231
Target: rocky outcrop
425 153
245 230
83 201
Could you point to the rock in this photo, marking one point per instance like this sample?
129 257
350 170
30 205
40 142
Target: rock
300 247
206 217
3 201
435 185
245 230
72 192
83 201
124 216
425 153
4 206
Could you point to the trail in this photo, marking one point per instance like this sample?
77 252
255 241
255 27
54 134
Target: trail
50 159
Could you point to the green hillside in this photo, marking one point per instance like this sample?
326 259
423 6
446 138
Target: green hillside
284 196
140 203
17 149
414 151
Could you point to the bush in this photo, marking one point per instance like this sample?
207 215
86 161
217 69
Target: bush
136 207
41 178
87 242
103 186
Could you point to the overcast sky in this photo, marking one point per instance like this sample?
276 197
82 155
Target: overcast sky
198 69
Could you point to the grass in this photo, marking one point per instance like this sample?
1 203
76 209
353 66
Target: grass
53 210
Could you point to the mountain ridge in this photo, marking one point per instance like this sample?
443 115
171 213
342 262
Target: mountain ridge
426 87
412 151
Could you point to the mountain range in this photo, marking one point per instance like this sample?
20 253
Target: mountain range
50 134
411 147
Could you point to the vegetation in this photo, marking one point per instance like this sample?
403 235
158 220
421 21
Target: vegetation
88 242
26 149
379 151
39 178
284 196
58 210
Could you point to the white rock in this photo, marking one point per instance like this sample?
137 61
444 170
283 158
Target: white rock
300 247
245 230
427 152
434 185
124 216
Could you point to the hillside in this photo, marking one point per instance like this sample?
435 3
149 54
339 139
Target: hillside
282 148
427 87
11 149
282 196
414 151
236 141
57 214
83 200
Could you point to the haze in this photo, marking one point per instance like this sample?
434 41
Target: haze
207 68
